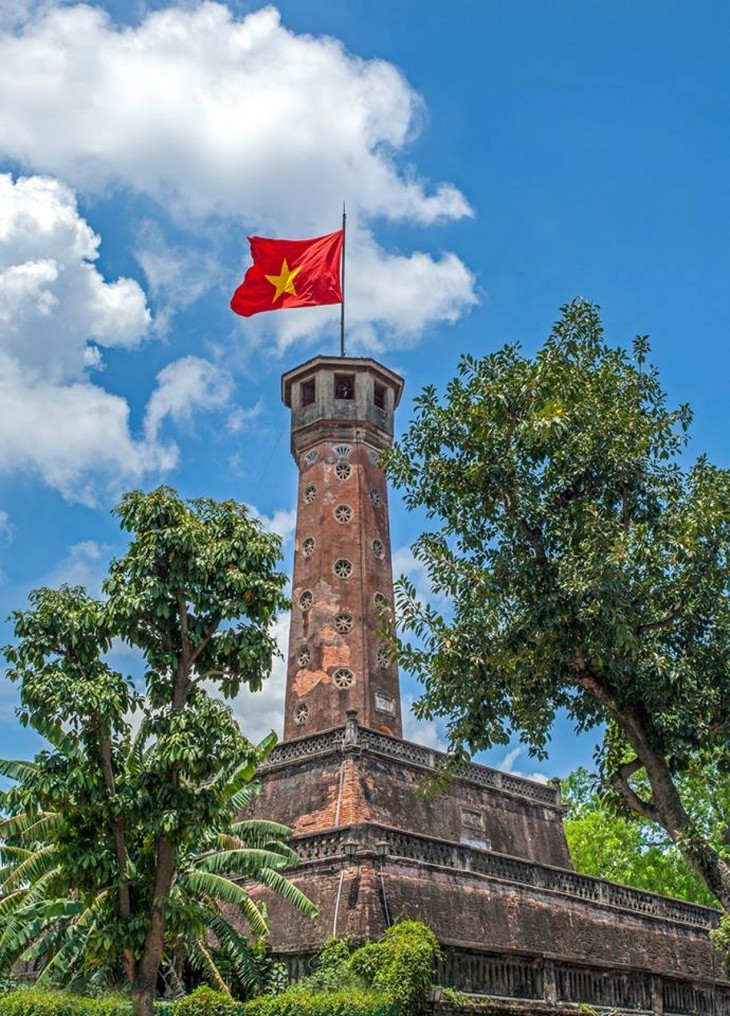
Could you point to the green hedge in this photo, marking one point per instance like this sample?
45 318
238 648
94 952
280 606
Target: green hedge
203 1002
59 1003
339 1003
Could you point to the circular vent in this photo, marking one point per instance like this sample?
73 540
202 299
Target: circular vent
342 451
306 600
304 657
342 568
344 623
343 678
310 493
301 714
383 658
343 470
343 514
378 549
308 546
376 497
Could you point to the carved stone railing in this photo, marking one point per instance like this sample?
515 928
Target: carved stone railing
353 736
303 748
538 979
396 844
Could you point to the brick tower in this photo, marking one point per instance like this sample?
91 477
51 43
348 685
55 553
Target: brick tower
485 861
342 421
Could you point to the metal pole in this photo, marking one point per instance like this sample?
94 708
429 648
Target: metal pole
342 307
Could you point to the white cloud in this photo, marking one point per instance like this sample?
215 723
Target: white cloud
183 385
177 276
425 732
56 311
261 711
76 437
7 529
390 300
283 522
507 765
85 564
53 301
240 119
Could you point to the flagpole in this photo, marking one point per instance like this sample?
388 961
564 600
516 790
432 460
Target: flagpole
342 308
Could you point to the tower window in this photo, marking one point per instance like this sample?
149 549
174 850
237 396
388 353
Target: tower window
308 391
301 714
345 386
380 396
343 470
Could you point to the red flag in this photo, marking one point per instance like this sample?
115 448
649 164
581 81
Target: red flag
290 273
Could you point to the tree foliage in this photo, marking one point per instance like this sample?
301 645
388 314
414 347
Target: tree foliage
622 847
585 564
119 848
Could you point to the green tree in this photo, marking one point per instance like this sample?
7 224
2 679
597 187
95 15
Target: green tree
586 568
623 847
118 827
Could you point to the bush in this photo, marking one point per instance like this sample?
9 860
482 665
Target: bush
205 1002
296 1002
404 969
60 1003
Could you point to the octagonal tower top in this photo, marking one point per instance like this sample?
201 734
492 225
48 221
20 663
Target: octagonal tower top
331 391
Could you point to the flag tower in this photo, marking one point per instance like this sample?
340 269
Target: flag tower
342 422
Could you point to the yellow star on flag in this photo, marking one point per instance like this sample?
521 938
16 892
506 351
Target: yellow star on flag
284 282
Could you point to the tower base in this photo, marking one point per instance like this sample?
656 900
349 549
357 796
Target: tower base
485 864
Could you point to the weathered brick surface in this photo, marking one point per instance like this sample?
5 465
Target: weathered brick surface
331 435
370 788
468 911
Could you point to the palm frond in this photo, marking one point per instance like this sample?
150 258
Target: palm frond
222 890
242 958
245 861
18 769
29 824
39 863
287 890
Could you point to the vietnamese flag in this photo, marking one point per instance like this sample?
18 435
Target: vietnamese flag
291 273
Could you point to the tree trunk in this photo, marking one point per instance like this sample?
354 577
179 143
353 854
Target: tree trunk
144 985
143 999
664 807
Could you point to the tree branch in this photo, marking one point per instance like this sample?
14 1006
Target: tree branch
620 783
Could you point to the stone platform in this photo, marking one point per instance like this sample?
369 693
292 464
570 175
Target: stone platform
486 865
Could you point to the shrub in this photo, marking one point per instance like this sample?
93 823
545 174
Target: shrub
296 1002
404 969
205 1002
60 1003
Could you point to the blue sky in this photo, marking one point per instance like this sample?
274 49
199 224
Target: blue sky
498 157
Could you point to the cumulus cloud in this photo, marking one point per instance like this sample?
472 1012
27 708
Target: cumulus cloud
247 121
283 522
50 288
56 312
184 385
